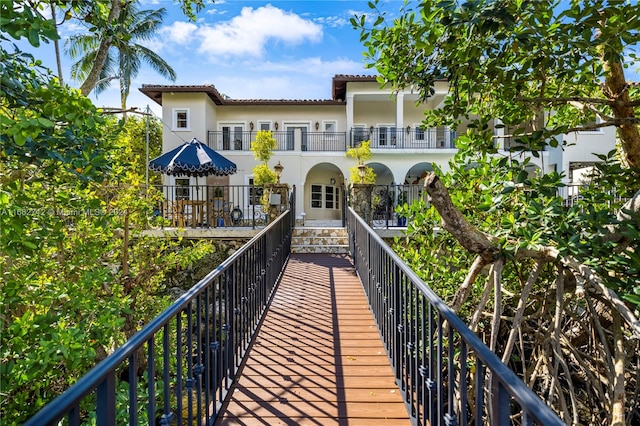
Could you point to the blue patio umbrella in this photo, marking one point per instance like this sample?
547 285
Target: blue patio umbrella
193 158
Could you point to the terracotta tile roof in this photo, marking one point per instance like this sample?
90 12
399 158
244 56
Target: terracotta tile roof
155 93
339 85
338 93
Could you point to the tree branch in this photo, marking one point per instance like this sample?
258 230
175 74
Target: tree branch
454 222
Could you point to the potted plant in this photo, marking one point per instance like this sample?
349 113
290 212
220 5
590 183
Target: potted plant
401 207
361 173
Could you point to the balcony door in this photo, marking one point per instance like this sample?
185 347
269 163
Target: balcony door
386 135
232 137
291 136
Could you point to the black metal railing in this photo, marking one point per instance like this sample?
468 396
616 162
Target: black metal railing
179 368
210 206
230 140
324 141
446 374
414 138
287 140
386 198
298 139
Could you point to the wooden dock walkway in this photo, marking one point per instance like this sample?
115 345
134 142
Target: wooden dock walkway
318 358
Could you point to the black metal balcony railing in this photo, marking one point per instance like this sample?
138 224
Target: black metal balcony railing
289 140
300 140
446 373
404 138
179 368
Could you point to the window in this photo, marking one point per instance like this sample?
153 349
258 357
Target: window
325 197
419 133
264 125
330 126
182 189
232 137
316 196
360 134
181 119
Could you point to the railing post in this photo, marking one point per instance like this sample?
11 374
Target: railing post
106 396
500 414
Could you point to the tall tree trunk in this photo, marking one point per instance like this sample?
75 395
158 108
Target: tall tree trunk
94 75
616 90
56 45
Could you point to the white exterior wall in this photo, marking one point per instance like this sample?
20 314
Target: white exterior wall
366 105
581 146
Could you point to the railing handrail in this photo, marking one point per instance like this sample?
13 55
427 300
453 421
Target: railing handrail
88 383
511 382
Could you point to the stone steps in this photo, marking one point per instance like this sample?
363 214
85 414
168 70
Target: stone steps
320 240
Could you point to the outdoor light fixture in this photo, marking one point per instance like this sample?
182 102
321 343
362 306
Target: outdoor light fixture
251 125
408 129
317 126
332 181
275 125
278 169
371 129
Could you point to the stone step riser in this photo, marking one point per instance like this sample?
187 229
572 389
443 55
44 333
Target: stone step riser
320 249
333 232
320 240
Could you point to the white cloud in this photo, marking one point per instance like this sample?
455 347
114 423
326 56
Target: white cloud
178 32
215 11
332 21
248 33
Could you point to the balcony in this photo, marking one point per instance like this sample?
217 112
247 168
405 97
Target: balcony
405 138
287 140
300 140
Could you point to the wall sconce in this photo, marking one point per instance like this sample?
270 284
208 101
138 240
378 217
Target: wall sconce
317 126
251 125
278 169
408 129
332 181
371 129
275 125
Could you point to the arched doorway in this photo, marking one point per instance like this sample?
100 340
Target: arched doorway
323 195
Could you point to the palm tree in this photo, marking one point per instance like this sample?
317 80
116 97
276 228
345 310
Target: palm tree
125 56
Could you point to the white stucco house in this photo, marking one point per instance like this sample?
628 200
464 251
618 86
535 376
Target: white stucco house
313 136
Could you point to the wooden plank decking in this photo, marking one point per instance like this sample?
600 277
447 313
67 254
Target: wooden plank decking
318 358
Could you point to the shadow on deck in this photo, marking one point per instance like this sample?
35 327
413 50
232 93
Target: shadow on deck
318 358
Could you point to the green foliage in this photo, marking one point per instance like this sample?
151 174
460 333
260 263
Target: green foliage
18 20
369 175
70 190
132 145
361 153
124 60
523 211
262 174
263 146
509 60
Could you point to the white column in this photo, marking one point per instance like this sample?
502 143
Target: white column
400 110
350 100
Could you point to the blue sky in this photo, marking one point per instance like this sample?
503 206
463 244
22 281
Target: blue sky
247 49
